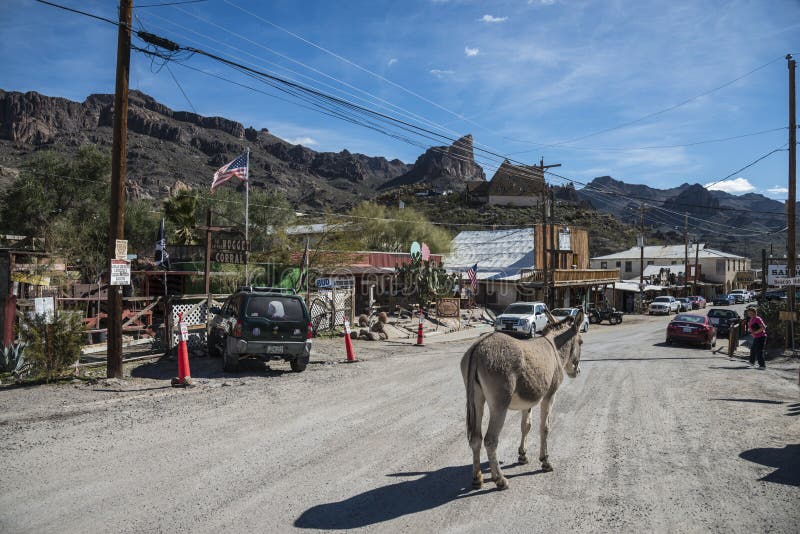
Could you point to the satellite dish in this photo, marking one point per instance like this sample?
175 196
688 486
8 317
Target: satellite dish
426 252
416 250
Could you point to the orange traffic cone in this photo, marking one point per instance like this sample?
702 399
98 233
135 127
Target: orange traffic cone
419 329
183 379
348 343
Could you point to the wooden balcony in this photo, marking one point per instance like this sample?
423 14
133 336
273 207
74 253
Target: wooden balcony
571 277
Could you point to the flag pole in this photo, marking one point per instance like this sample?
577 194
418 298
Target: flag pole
247 220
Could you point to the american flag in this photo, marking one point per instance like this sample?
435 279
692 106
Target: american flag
237 167
472 274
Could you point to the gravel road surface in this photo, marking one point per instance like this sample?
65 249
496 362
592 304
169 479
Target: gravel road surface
649 437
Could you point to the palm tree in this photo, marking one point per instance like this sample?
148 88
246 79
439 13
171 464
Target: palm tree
180 210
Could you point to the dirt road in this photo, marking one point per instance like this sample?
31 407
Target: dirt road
649 437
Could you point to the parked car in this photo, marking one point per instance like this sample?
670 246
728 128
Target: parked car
778 294
522 318
692 328
741 296
560 313
264 323
684 303
723 320
697 302
665 305
724 300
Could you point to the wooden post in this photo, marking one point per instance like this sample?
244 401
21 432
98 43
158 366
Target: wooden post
117 205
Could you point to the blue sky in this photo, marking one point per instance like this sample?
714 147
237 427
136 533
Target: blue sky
518 75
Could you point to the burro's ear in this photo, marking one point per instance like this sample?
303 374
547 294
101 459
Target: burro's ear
578 321
550 318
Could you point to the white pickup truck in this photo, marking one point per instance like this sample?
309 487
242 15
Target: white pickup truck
522 318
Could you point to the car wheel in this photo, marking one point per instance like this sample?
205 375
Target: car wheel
213 349
613 320
230 362
669 341
711 342
530 332
296 366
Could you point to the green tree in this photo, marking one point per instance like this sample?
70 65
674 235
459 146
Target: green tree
141 227
376 227
65 201
52 344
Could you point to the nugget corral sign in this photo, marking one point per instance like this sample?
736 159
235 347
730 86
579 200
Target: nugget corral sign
229 250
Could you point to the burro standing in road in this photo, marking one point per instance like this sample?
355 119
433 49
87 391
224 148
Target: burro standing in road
514 374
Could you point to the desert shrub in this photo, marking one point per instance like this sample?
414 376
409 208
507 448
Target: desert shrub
52 344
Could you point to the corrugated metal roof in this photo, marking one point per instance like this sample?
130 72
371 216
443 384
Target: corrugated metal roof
500 254
669 252
634 287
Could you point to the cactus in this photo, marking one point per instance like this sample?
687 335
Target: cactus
13 359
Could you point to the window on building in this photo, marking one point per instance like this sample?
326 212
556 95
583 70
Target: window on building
673 263
619 264
604 265
649 262
720 266
628 266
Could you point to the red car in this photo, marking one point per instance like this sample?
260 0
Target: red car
697 302
692 328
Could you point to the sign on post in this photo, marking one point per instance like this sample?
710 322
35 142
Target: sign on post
120 273
225 250
121 249
783 282
44 306
775 272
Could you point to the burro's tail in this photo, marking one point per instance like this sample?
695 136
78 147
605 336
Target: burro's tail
470 381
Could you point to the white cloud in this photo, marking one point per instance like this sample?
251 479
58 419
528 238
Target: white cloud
542 2
471 52
439 73
491 19
737 186
305 141
778 190
392 61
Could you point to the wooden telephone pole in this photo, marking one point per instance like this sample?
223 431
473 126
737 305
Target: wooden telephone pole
547 200
686 252
117 206
791 218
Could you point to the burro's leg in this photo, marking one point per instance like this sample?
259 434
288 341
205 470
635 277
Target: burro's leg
497 416
525 427
477 439
544 430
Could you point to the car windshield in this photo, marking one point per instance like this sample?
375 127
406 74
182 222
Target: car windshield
519 309
274 308
661 299
690 319
724 314
563 312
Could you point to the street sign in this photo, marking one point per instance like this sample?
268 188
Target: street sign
120 273
121 249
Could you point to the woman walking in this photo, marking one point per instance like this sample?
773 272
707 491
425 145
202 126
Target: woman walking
759 332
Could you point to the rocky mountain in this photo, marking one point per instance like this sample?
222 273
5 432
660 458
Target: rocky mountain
741 224
166 147
443 167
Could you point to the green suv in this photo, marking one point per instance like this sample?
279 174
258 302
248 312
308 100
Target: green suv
261 322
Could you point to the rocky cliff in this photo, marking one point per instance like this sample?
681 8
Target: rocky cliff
443 167
167 146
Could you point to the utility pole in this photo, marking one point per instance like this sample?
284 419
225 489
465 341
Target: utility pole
642 208
696 260
686 252
791 251
117 207
763 274
547 209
